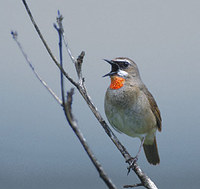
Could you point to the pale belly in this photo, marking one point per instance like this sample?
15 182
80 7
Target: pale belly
133 118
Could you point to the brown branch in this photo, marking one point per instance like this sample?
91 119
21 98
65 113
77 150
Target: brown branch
73 125
133 186
145 180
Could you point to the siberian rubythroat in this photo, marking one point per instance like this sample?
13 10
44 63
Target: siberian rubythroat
130 108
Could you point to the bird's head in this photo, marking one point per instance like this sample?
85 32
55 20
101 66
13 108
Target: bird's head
122 67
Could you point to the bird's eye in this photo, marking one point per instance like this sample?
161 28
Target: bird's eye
125 64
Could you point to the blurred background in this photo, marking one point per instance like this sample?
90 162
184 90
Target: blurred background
38 150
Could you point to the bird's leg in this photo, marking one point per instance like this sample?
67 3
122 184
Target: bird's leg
141 144
133 160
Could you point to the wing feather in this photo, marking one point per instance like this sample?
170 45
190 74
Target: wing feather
154 107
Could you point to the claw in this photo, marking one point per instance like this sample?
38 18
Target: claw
131 162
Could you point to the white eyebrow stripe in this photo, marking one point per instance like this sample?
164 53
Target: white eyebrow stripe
122 60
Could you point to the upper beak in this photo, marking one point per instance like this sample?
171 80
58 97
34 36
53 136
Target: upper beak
114 68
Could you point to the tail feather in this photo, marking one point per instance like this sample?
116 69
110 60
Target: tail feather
151 152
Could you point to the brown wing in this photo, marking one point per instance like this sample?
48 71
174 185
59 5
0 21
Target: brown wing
154 107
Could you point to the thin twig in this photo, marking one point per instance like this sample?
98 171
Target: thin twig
77 63
133 186
39 33
68 50
60 31
15 35
73 124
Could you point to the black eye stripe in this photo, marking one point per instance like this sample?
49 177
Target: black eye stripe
122 64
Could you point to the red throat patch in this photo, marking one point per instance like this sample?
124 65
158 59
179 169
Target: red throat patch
116 82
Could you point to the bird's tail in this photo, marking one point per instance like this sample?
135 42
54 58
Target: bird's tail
151 152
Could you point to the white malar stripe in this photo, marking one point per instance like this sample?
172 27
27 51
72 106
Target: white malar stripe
122 73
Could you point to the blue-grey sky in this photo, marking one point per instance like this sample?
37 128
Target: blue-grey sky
39 150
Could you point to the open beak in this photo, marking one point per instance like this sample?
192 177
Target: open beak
114 68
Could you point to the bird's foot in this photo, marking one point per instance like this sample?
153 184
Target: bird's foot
131 161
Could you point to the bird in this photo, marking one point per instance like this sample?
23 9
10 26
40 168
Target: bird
130 108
